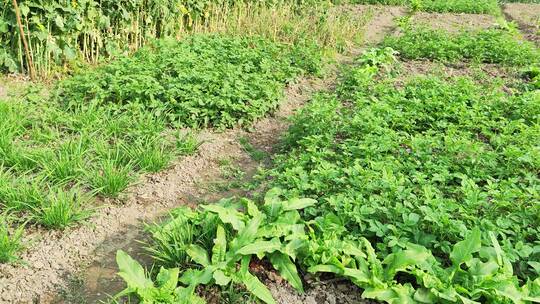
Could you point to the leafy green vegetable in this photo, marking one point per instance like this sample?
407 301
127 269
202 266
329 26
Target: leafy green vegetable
204 80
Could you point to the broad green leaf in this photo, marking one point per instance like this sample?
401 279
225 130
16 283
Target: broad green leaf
325 268
167 279
298 203
465 300
287 269
396 294
497 248
220 246
272 196
196 277
227 215
198 254
463 250
252 209
260 247
423 295
257 288
401 260
247 234
358 276
132 272
186 295
221 278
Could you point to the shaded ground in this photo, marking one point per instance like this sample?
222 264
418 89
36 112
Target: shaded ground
528 18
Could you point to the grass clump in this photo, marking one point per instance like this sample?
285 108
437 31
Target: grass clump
10 239
485 46
62 208
199 81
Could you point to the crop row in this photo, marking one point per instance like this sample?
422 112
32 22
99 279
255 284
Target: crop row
61 34
416 188
100 128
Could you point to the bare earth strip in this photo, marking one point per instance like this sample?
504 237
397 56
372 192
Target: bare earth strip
54 256
454 22
528 18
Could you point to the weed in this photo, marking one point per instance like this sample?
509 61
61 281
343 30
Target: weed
110 177
187 144
149 154
10 240
254 153
61 208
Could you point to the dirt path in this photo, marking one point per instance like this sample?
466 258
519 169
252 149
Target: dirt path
527 16
54 258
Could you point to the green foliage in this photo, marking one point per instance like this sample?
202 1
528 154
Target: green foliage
61 209
222 239
10 239
460 6
532 74
443 6
440 175
488 46
199 81
187 144
163 290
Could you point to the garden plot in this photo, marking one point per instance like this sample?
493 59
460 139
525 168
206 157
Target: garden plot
527 16
454 22
53 254
451 123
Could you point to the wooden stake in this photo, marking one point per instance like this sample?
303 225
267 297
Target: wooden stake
25 43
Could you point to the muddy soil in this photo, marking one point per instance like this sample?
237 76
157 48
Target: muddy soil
454 22
528 18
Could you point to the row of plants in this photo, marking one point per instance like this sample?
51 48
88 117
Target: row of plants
61 34
418 192
200 81
95 132
443 6
497 45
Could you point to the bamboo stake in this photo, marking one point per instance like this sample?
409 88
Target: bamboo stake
25 43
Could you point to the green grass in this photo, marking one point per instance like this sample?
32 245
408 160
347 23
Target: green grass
10 239
484 46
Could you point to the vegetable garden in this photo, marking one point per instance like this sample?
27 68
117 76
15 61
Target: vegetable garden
411 175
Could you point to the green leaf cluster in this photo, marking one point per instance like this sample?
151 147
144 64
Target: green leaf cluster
414 166
484 46
203 80
219 242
